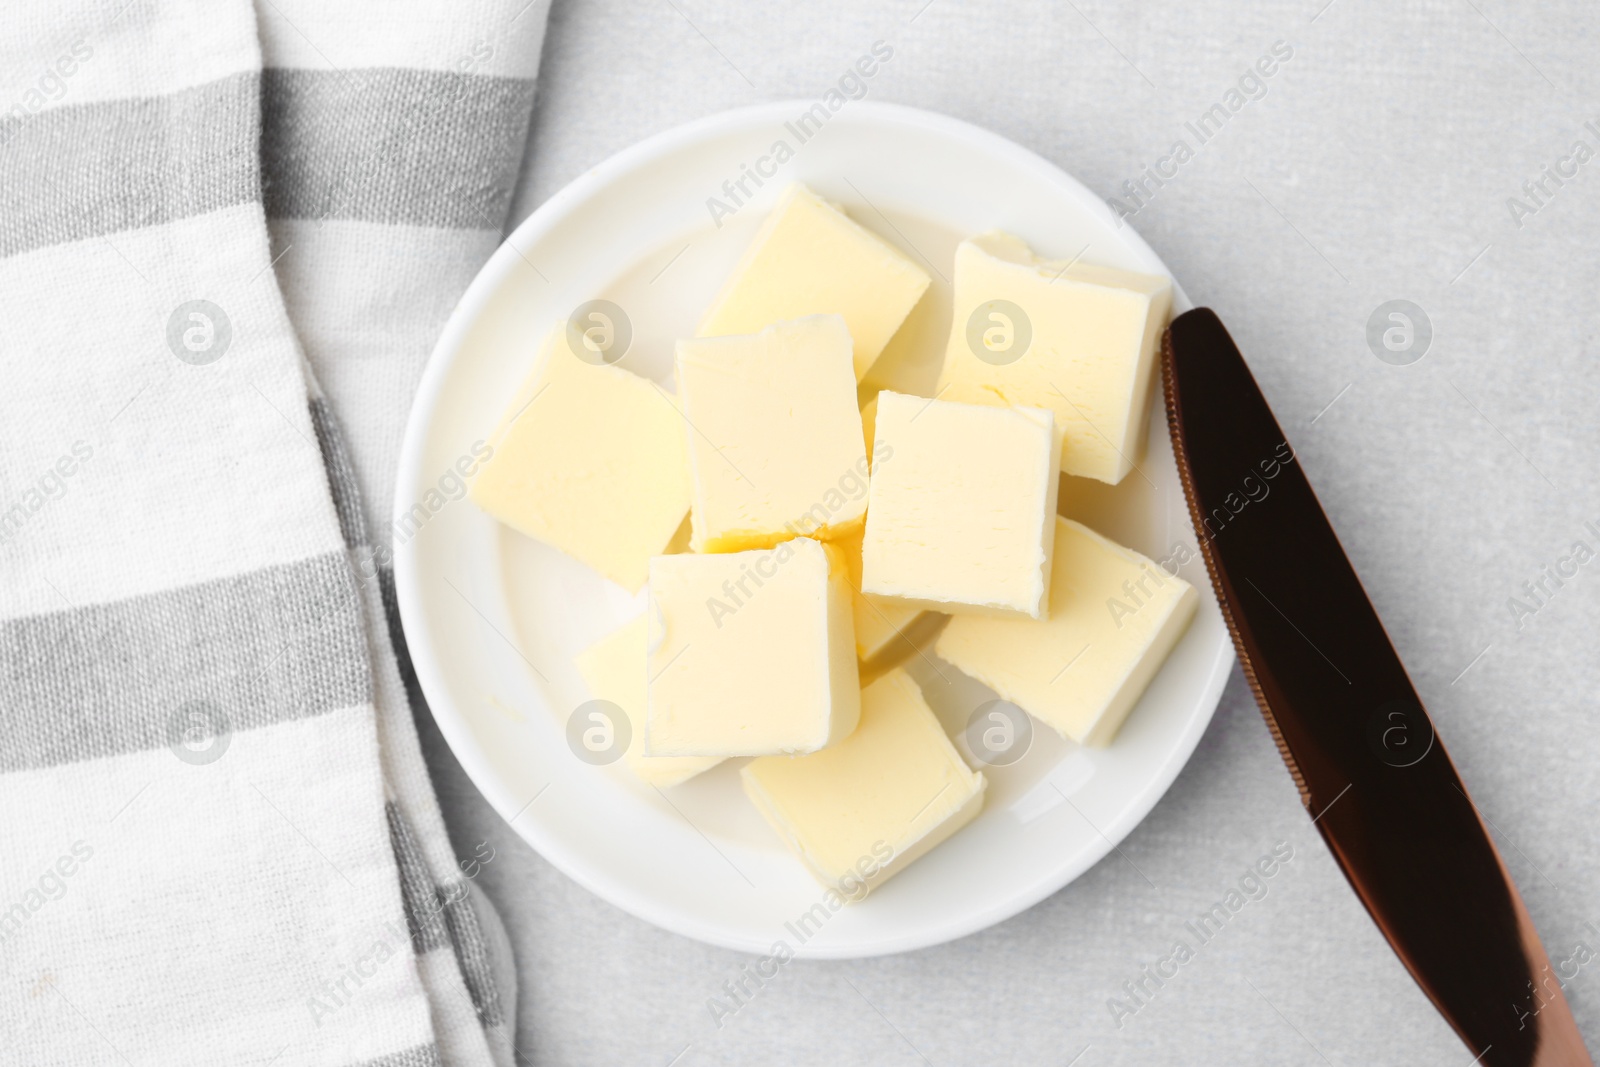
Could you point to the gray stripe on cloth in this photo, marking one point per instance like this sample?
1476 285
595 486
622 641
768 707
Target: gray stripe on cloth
472 953
341 473
421 1056
424 909
397 639
408 147
439 916
87 170
181 666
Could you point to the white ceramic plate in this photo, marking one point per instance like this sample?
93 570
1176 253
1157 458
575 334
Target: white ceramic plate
494 619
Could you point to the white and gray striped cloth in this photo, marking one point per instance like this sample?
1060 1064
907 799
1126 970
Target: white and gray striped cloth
228 237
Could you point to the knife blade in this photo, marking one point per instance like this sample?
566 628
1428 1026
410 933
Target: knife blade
1369 765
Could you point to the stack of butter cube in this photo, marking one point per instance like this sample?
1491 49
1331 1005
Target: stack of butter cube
822 532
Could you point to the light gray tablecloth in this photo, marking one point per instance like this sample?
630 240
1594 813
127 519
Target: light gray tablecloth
1377 166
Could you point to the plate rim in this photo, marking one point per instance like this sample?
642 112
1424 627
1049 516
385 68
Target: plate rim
425 658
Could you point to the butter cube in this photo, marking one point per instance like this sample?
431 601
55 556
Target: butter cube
751 653
614 668
962 506
774 435
591 460
810 258
879 621
862 811
1074 338
869 423
1114 617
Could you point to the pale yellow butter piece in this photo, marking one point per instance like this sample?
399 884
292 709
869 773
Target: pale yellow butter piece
591 460
751 653
862 811
614 668
869 423
810 258
1091 334
774 435
1114 617
880 621
961 506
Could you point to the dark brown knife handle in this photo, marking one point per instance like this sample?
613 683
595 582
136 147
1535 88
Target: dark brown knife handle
1343 711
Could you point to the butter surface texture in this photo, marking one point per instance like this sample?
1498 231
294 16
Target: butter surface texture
591 460
751 653
774 435
880 622
1114 617
1090 334
810 258
614 669
962 506
862 811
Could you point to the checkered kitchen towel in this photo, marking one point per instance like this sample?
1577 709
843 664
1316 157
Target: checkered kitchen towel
225 233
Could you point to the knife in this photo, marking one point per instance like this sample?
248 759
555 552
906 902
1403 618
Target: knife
1370 768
